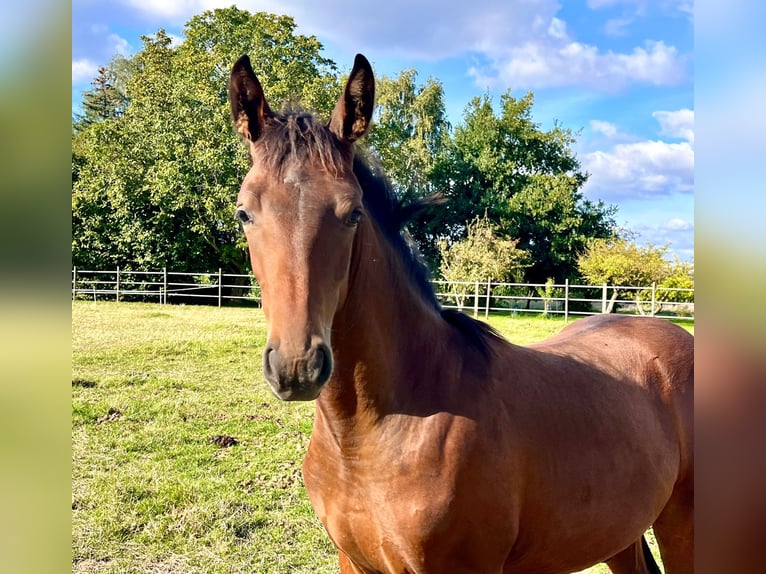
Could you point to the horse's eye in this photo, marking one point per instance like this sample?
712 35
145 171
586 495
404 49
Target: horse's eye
353 219
243 216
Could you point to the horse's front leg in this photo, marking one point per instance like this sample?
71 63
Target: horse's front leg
346 566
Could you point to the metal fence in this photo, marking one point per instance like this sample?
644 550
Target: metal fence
476 297
566 299
164 286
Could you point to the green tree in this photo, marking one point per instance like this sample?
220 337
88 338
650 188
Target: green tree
482 255
677 287
289 64
619 262
554 223
528 182
103 101
680 278
409 131
155 185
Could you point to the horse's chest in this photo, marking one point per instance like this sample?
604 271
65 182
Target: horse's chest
383 517
370 511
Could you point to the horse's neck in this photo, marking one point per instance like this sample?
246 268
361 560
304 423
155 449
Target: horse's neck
384 334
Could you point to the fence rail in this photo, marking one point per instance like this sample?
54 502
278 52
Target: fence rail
476 297
567 299
164 286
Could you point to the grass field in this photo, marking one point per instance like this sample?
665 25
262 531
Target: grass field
182 461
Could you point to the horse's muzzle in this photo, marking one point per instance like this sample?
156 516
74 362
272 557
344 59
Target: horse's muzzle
297 378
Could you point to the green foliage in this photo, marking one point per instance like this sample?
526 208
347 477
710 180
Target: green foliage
156 164
155 185
621 262
104 101
549 292
680 278
525 179
409 130
553 223
481 256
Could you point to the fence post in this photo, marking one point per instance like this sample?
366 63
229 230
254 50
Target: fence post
489 294
603 299
476 301
164 285
74 282
220 286
654 295
117 286
566 301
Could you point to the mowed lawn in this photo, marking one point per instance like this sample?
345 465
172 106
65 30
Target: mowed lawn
182 461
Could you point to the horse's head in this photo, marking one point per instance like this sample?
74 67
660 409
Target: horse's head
299 205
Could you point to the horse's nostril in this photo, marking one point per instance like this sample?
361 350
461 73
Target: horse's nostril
270 362
323 364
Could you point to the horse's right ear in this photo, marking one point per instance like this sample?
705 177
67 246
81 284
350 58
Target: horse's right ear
249 108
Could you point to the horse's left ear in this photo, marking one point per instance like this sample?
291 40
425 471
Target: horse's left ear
249 108
351 117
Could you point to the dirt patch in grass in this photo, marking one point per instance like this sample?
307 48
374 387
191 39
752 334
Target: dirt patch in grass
84 383
112 414
224 440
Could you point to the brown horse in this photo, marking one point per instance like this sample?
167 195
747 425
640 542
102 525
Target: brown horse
439 447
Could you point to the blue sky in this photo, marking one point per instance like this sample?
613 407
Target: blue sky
618 71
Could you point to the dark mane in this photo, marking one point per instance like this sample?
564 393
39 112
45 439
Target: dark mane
392 215
297 136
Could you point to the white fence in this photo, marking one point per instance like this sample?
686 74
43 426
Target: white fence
567 299
477 297
164 286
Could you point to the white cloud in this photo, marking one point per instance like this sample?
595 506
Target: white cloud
677 224
180 11
640 170
677 233
166 8
678 124
432 29
643 169
685 7
539 65
118 45
521 44
617 26
557 28
597 4
606 128
176 40
83 71
641 6
656 64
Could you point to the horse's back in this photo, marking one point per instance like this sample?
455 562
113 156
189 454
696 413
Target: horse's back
648 349
635 330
